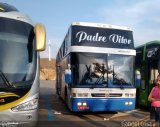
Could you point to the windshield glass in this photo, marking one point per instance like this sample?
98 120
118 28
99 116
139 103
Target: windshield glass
17 54
102 70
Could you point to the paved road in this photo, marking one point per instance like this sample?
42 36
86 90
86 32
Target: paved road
53 113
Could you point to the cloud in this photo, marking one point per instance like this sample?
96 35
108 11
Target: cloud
142 16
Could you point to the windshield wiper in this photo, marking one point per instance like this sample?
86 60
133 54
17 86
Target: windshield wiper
5 80
100 69
118 81
121 84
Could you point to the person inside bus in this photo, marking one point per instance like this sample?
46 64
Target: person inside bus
154 98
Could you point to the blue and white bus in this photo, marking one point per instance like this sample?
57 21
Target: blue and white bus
95 68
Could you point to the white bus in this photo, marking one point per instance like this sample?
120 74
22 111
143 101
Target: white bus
95 68
20 42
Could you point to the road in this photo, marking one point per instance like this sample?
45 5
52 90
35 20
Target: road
53 113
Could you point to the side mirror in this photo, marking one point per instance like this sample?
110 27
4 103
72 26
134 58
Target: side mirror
138 79
40 34
68 77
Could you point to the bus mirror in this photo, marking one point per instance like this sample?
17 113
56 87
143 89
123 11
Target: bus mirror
138 78
67 77
40 34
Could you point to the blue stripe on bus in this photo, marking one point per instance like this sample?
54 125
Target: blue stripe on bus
49 108
100 104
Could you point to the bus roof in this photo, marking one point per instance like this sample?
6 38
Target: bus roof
149 43
100 25
4 7
10 12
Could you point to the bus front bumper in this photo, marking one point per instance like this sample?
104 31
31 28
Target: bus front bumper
18 119
102 104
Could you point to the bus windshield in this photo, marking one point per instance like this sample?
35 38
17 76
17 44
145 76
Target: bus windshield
17 54
102 70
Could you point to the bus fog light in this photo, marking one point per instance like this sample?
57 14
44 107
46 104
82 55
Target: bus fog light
126 103
30 105
79 103
84 104
130 103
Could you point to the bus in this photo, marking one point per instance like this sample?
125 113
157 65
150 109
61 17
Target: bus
20 43
147 65
95 68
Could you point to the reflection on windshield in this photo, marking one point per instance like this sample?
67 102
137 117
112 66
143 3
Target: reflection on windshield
95 74
102 70
122 67
17 54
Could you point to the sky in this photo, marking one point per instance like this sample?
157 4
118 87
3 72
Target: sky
142 16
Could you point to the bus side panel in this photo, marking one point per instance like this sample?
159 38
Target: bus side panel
62 85
143 101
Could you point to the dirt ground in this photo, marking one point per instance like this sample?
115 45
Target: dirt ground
47 69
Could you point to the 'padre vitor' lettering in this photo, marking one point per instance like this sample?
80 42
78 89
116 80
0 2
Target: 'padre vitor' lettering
115 38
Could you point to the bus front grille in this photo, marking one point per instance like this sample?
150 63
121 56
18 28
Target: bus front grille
115 95
98 95
106 95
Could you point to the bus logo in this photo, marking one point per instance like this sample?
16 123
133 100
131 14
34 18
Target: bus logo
115 38
152 52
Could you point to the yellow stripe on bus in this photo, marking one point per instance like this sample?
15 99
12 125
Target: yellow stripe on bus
8 95
12 104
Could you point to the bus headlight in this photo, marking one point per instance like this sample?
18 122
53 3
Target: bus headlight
126 94
82 94
132 95
30 105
